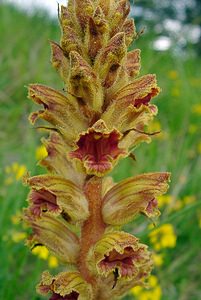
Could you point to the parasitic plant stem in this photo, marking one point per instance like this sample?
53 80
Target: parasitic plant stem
94 227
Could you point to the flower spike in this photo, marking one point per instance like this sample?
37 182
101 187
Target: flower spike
101 116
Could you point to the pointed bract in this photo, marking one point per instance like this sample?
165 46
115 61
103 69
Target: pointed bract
59 61
133 63
83 83
110 59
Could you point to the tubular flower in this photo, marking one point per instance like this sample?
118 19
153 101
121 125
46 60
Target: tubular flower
98 149
55 235
122 253
132 196
98 119
57 195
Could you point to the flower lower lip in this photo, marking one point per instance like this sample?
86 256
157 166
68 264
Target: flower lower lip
123 262
71 296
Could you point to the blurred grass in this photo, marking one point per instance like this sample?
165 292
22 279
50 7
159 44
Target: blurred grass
24 58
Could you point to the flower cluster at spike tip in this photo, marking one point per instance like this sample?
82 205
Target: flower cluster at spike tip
76 210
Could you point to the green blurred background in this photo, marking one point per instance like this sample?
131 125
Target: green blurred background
171 48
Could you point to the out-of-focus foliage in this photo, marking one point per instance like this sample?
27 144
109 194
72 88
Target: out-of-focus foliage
178 21
24 58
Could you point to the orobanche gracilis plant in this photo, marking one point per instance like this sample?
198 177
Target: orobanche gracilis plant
76 210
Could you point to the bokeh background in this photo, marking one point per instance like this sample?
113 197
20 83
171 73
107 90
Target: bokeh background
171 48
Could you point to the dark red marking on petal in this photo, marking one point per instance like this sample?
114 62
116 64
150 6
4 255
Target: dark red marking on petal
97 150
42 200
124 262
152 205
71 296
145 100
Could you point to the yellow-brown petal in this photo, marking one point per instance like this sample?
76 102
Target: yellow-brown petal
133 63
65 285
84 9
56 161
110 58
132 100
62 112
55 235
132 196
59 61
83 82
97 33
56 194
130 31
119 16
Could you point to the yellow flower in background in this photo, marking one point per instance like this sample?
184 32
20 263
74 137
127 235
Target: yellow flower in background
153 281
41 152
195 82
164 200
15 172
18 236
43 253
173 74
158 259
53 262
153 293
196 109
163 237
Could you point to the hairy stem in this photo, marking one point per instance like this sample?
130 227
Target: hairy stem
94 227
